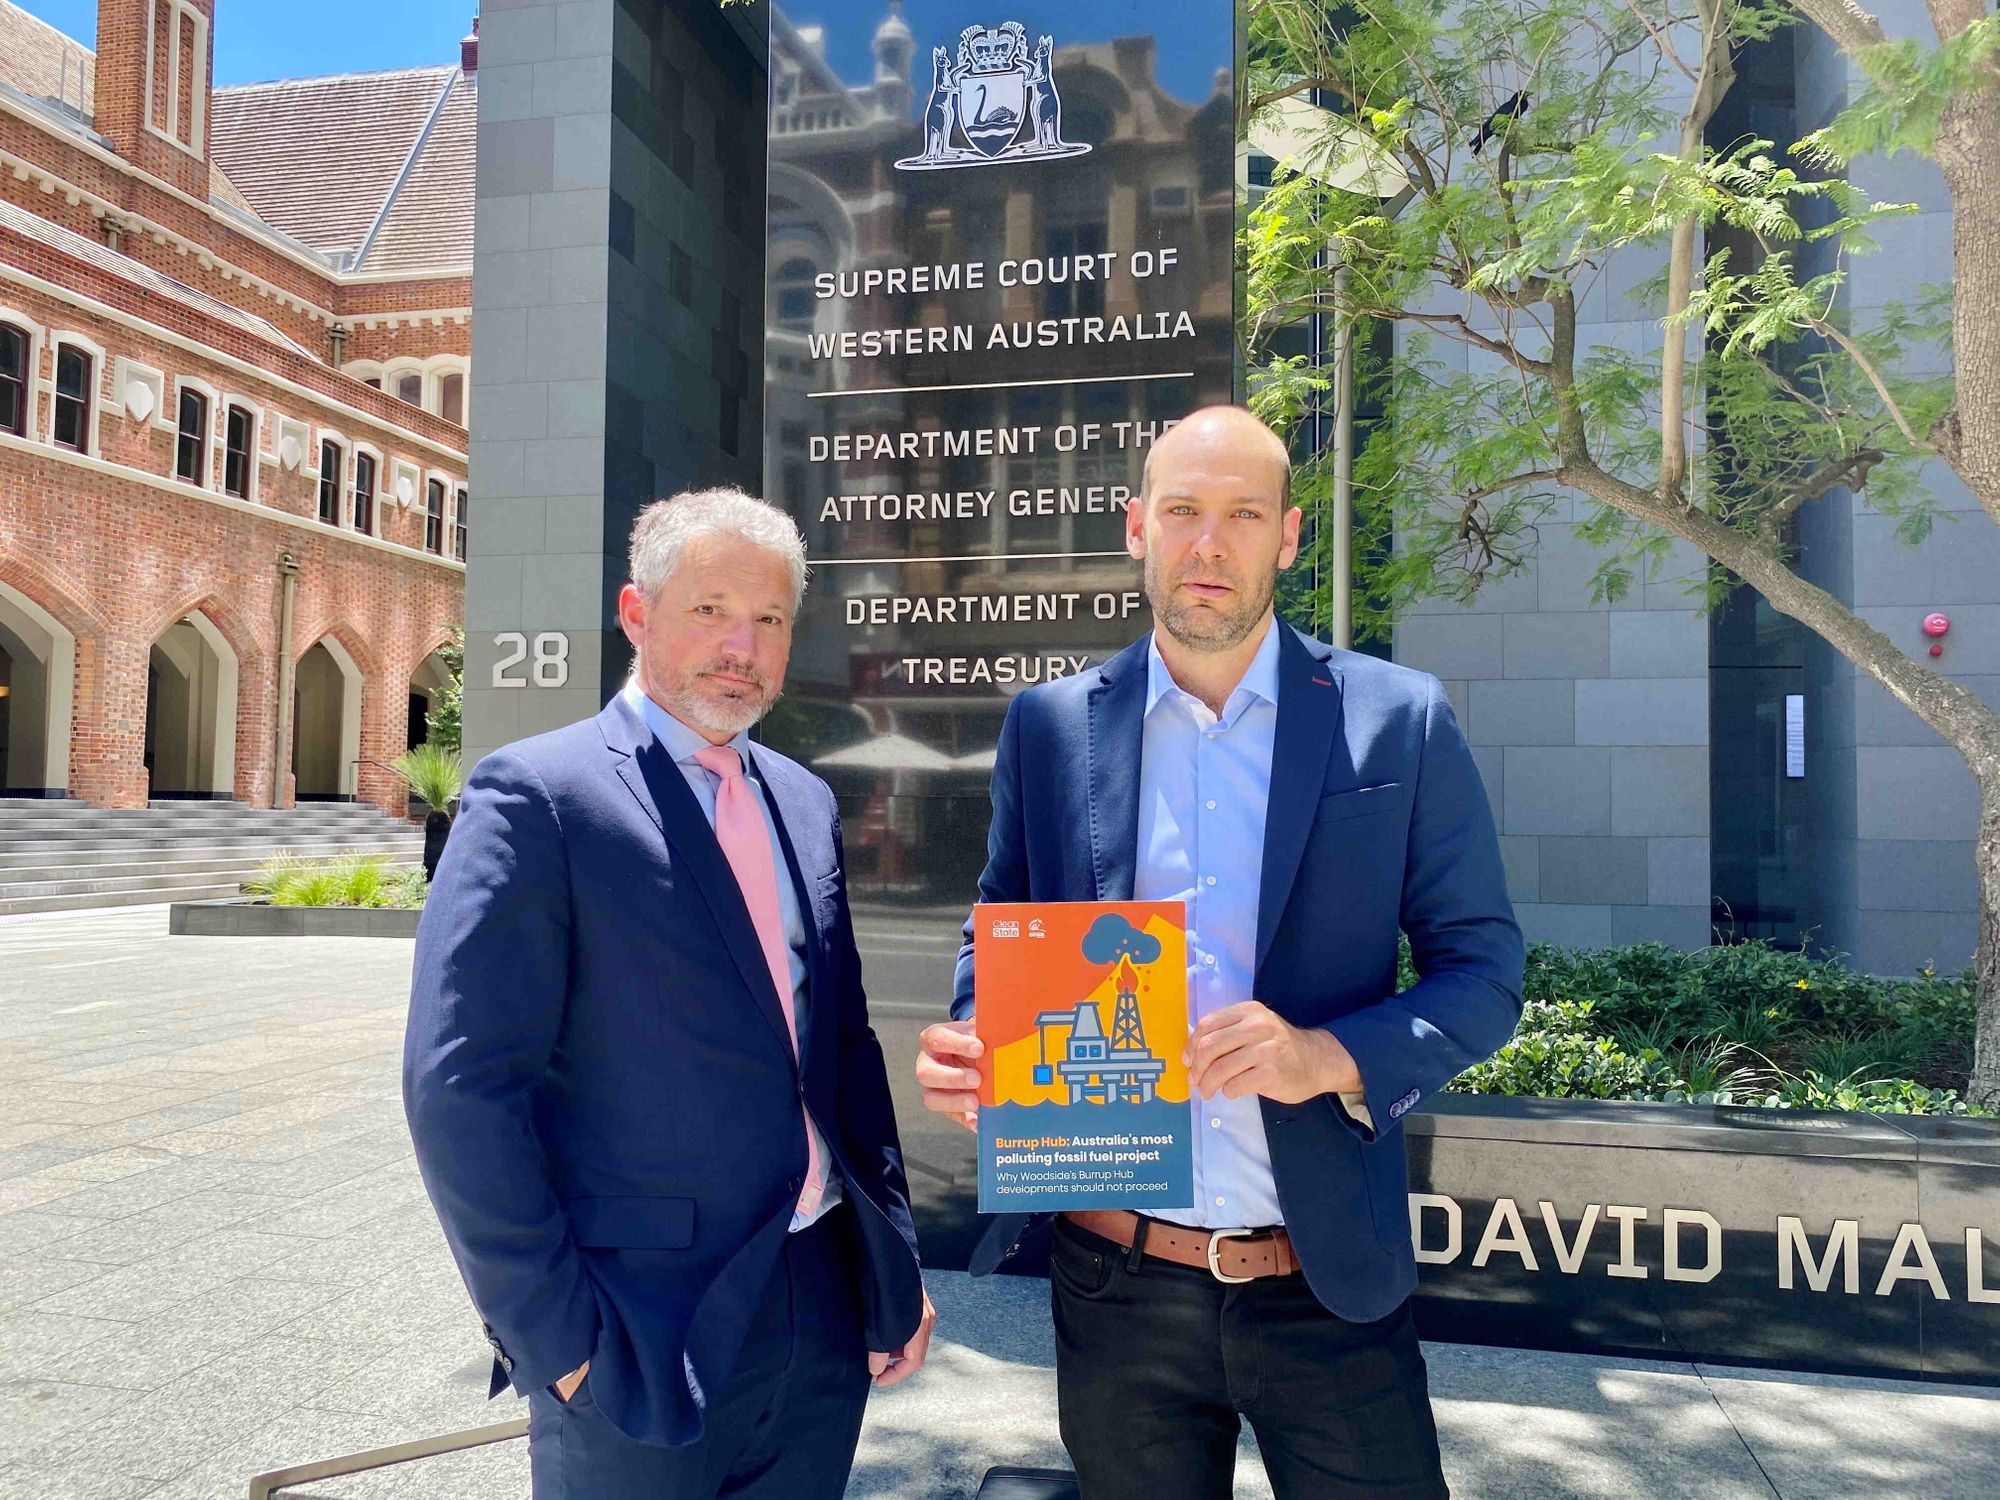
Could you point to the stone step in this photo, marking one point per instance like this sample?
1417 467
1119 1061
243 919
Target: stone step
24 905
198 814
56 842
99 862
170 885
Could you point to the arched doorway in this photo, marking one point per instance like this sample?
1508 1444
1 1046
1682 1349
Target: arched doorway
426 683
37 688
326 715
191 712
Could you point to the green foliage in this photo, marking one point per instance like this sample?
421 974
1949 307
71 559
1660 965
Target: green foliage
366 880
1740 1023
1496 247
433 772
444 724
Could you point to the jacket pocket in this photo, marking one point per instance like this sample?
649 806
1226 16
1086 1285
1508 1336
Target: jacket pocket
1360 802
646 1223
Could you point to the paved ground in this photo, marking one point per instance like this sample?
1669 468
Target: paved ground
216 1258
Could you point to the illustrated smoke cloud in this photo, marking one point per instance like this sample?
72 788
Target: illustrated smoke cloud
1112 937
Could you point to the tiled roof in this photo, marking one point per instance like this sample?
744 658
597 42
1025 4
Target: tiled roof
82 247
43 63
318 157
321 160
430 222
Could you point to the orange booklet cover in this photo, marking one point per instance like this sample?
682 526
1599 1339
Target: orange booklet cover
1083 1097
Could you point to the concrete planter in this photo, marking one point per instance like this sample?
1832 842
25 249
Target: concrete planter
1830 1242
261 919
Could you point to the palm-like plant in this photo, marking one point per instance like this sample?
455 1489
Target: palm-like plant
435 774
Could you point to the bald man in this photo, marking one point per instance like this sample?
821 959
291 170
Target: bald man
1305 803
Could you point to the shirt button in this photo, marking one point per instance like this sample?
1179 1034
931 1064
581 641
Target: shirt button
1216 1121
1209 959
1220 1200
1211 806
1211 880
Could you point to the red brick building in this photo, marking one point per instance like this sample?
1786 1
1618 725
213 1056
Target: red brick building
234 328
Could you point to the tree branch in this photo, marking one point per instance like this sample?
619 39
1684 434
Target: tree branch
1718 71
1867 368
1830 476
1853 29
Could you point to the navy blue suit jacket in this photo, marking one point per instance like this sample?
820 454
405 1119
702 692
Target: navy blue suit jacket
1377 821
600 1083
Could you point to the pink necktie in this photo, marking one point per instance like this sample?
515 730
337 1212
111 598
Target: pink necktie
746 844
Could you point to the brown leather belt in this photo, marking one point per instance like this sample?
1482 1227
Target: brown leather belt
1230 1255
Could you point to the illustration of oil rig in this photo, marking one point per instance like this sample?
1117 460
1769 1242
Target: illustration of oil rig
1096 1071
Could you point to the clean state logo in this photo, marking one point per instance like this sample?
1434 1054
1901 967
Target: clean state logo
997 103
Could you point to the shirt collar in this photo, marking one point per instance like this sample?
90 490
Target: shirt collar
1260 680
681 742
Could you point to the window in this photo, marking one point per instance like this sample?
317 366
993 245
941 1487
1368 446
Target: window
373 382
364 492
451 398
793 293
191 449
434 516
239 451
410 388
73 381
458 529
13 380
331 461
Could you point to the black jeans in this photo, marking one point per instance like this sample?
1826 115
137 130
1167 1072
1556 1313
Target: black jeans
1157 1367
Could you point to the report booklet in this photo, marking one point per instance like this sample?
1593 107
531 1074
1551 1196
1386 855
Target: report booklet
1083 1097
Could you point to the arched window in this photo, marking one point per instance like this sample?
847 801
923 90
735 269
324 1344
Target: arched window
410 387
239 451
451 397
458 528
364 492
434 516
331 461
74 374
191 447
14 348
795 294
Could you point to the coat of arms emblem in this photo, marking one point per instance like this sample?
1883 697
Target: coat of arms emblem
996 102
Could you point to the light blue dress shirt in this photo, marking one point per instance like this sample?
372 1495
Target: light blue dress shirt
1204 785
683 744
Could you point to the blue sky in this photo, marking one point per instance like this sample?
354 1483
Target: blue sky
1196 36
257 40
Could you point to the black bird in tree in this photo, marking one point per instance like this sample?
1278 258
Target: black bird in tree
1515 107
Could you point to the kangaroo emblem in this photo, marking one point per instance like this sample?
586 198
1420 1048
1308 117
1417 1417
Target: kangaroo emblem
1044 103
992 102
942 110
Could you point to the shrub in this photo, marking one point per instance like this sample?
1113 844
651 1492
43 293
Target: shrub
348 880
434 773
1744 1023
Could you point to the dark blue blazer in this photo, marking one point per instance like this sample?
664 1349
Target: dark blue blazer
600 1084
1377 821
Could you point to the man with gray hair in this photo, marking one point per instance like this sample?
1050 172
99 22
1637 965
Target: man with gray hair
639 1073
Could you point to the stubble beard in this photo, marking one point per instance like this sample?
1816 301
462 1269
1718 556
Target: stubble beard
713 708
1200 627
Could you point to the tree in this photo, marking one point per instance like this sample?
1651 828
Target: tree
1541 137
443 723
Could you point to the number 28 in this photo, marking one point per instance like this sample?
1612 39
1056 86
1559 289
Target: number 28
550 665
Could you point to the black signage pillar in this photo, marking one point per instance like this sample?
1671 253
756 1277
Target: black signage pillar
999 263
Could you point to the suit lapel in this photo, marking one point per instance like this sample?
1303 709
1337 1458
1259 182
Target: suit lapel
1308 714
1117 734
651 776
